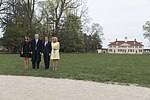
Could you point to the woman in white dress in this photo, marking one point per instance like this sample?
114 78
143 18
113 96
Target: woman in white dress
55 52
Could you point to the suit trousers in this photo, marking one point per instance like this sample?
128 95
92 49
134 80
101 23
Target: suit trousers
46 60
35 64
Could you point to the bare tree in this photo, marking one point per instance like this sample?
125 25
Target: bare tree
29 7
56 10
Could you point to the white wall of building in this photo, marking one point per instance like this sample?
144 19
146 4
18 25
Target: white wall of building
126 49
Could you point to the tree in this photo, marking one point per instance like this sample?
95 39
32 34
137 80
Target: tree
71 36
29 8
25 10
1 2
87 43
3 10
146 29
12 37
96 33
0 42
93 41
18 19
55 10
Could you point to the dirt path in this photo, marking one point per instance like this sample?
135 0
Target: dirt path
37 88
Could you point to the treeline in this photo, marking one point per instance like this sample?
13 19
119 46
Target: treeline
66 19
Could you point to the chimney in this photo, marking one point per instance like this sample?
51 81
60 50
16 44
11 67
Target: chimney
116 42
125 39
134 41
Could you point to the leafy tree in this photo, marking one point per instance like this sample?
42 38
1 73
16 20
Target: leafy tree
96 33
71 36
146 28
93 41
12 37
87 43
18 19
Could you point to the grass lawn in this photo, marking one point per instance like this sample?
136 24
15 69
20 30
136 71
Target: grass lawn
126 69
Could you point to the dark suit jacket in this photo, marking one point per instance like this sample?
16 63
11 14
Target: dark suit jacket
36 56
47 48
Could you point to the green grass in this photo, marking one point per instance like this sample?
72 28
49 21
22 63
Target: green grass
126 69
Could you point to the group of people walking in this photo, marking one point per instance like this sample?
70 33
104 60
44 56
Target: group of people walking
35 48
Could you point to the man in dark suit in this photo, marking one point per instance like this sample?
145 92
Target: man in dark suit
36 50
46 52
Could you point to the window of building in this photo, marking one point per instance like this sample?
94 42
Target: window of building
110 50
130 46
140 50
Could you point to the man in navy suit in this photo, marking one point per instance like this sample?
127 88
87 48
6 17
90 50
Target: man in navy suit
36 50
46 52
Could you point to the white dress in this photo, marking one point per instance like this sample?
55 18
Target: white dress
55 50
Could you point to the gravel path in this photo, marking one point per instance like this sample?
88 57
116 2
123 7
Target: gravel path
37 88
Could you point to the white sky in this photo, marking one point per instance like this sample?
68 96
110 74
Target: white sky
120 18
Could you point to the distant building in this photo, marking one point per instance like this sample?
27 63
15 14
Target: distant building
103 50
3 50
126 47
99 50
146 51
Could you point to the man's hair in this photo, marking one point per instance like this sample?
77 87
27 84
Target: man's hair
46 36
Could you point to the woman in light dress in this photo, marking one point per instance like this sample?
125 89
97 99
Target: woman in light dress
55 53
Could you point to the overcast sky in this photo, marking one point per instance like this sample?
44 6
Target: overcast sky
120 18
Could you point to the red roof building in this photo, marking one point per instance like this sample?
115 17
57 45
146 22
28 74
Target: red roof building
126 47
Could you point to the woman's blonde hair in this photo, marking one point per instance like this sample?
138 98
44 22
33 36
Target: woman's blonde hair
54 39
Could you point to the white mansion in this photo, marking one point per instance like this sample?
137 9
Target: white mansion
126 47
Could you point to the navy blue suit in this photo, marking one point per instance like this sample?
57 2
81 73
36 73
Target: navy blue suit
36 49
46 51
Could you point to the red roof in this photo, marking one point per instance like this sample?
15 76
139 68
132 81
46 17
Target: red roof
131 43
